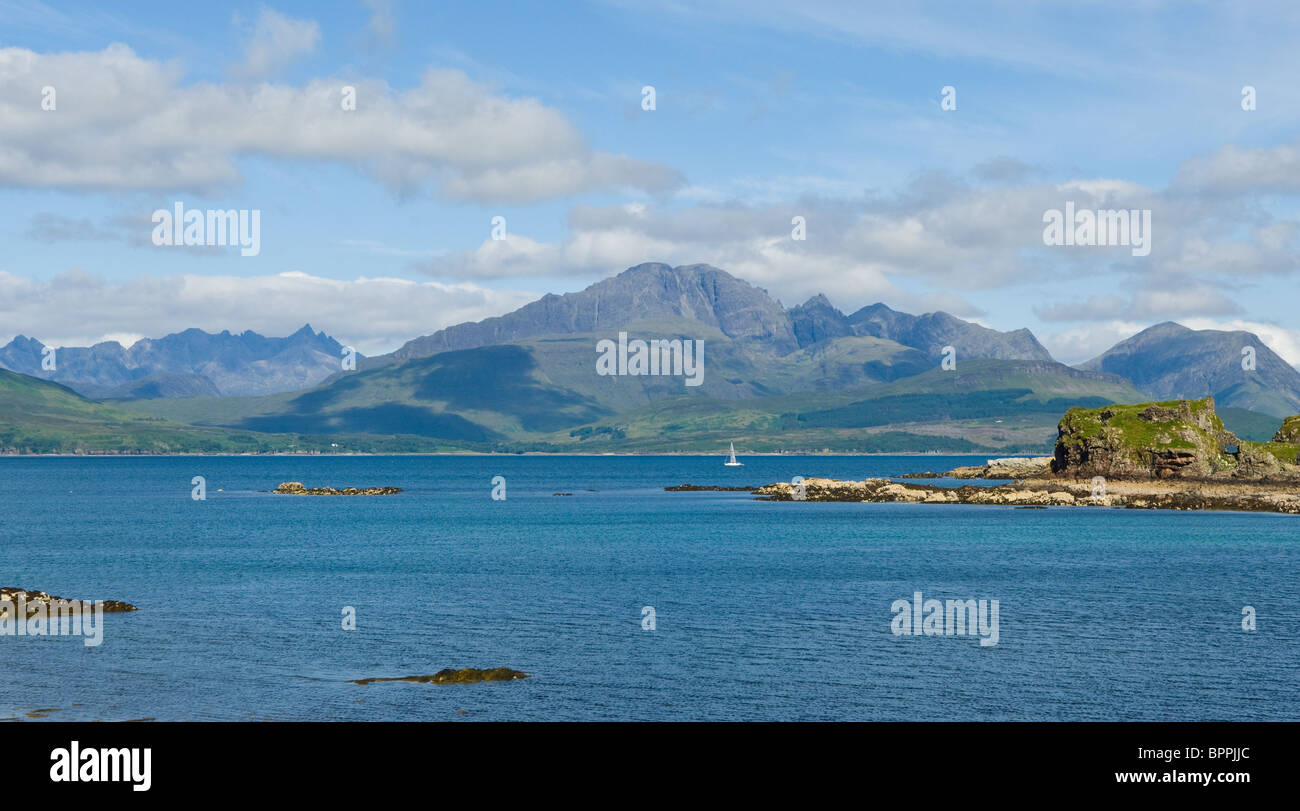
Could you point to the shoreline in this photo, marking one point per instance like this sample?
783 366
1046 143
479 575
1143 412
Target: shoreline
721 455
1196 495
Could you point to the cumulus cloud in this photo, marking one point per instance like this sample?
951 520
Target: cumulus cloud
1074 346
112 130
382 25
932 244
275 41
754 244
375 315
937 239
1234 170
1148 305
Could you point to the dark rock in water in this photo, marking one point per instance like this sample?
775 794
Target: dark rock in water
702 488
450 675
297 489
561 494
12 596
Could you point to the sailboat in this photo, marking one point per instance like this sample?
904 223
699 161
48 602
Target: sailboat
732 461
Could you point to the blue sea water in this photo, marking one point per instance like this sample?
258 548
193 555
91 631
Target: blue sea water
764 610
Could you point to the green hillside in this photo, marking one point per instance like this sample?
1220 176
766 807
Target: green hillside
987 406
1249 425
544 394
37 416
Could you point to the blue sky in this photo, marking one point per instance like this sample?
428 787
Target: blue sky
376 222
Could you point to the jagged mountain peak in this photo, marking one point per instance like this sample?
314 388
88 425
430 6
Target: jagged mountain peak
648 291
715 298
185 363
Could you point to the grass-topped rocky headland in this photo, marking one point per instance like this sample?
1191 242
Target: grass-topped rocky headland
1163 455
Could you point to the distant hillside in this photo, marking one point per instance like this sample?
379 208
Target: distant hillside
1249 425
184 364
1170 361
543 395
977 389
37 416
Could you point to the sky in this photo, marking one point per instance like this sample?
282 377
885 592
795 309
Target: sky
377 223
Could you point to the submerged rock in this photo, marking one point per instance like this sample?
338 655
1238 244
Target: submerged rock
12 596
298 489
449 675
702 488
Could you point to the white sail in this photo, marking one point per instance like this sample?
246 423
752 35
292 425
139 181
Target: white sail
732 461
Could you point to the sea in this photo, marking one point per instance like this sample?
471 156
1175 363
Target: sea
623 601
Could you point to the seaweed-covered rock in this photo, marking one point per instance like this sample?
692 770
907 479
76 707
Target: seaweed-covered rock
298 489
11 598
450 675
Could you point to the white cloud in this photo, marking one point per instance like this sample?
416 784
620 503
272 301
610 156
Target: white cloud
125 122
1075 346
1149 305
382 24
276 41
1234 170
375 315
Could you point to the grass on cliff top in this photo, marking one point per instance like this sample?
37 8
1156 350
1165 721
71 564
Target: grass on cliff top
1139 433
1284 452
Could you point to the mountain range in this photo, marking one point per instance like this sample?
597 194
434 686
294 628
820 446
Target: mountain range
808 377
192 363
746 315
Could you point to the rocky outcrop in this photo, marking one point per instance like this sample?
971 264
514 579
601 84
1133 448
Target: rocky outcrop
1011 467
1046 492
1179 439
1173 455
886 490
449 675
1289 432
298 489
11 598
